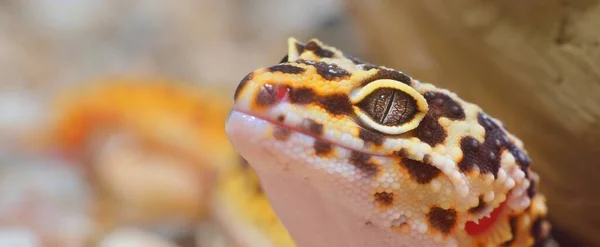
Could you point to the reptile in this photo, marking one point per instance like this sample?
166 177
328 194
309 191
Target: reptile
356 154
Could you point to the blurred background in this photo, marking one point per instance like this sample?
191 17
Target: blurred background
112 112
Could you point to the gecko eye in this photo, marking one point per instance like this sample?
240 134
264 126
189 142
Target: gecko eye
389 106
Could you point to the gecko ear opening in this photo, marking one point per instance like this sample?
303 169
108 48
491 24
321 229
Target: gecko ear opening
389 106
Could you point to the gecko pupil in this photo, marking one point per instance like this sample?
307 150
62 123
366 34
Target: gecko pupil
389 106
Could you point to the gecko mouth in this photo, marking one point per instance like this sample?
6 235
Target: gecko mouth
279 124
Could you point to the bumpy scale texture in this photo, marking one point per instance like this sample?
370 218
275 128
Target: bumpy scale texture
454 176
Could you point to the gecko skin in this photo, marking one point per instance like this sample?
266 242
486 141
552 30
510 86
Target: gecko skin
354 154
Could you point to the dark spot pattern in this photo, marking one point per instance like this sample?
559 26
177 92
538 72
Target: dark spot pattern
322 147
281 133
480 206
384 73
361 161
336 104
443 106
242 84
421 172
539 232
430 131
311 126
354 60
427 159
284 59
512 222
389 106
267 95
302 95
368 67
401 153
440 105
521 158
299 48
286 68
328 71
281 118
318 50
371 137
441 219
532 190
486 155
384 199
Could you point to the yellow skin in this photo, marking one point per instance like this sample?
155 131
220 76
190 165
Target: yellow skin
180 125
353 154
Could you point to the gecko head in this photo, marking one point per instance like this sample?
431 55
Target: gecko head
325 131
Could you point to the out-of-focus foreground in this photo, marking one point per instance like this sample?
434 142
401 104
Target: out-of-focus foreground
112 112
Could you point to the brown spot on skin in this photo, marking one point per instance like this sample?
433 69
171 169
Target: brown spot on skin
540 231
287 69
430 131
281 118
318 50
512 222
331 72
328 71
354 60
284 59
368 223
531 191
521 158
486 155
361 161
536 228
301 95
267 95
336 104
401 153
440 105
384 73
299 48
312 127
371 137
479 206
443 106
427 159
384 199
281 133
368 67
242 84
322 148
421 172
441 219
